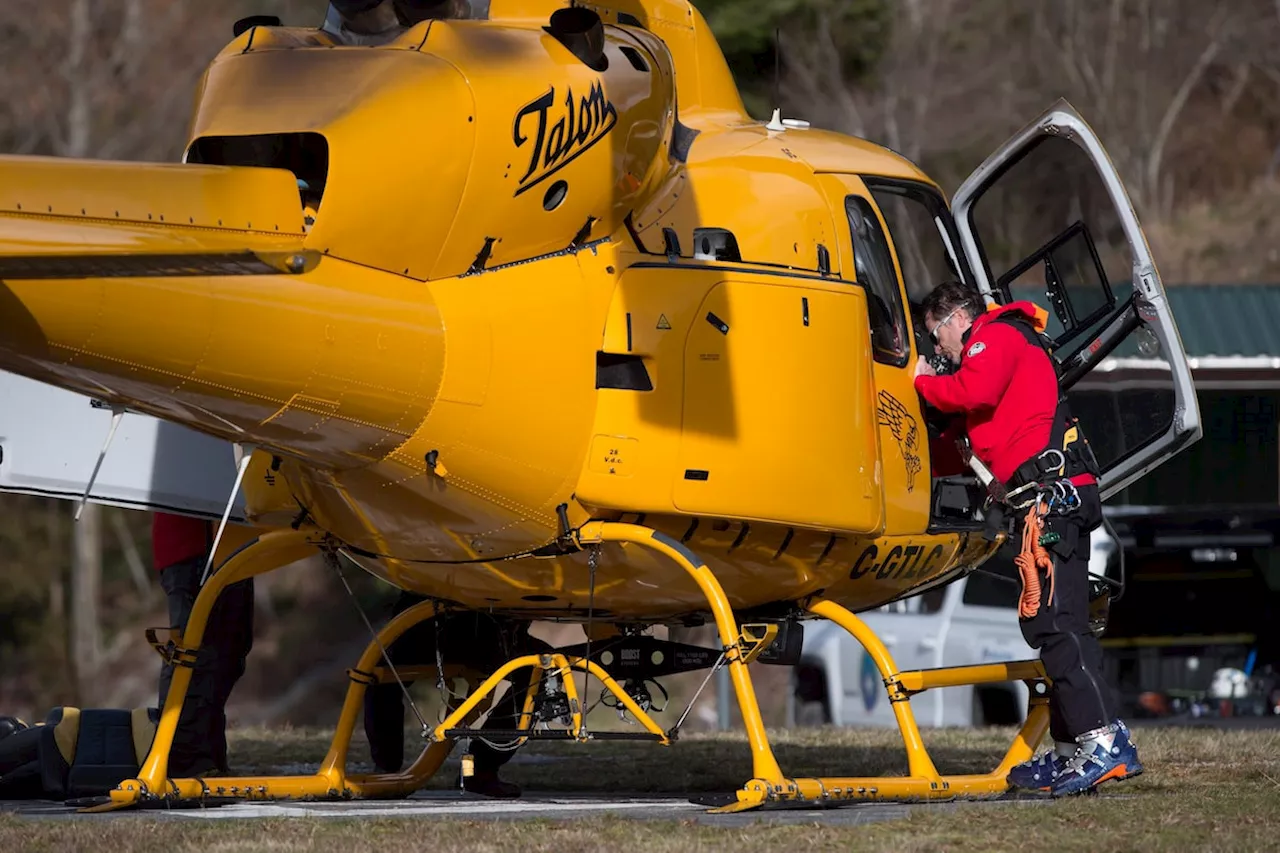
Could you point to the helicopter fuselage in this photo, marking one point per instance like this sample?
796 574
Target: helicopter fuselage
530 292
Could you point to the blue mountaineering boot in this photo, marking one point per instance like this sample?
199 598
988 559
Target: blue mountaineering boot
1041 772
1103 755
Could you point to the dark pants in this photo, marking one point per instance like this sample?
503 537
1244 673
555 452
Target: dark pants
200 743
1079 700
475 640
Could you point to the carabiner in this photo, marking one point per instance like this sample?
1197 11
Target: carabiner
1069 496
1062 464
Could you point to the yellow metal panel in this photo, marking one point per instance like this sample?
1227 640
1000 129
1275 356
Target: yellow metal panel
904 450
456 141
777 411
730 192
212 197
651 313
879 570
266 493
826 151
613 455
542 117
398 140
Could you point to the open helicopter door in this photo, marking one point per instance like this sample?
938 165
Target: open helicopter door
1047 218
51 441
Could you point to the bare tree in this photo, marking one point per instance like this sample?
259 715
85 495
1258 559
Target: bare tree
1161 81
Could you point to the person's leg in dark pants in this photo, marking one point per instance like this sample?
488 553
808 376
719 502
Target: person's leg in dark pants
505 715
490 753
384 710
232 627
478 641
1082 708
1080 700
200 742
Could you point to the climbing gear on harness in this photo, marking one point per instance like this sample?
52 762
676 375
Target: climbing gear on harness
1037 479
1031 560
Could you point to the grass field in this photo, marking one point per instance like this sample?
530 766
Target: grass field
1204 789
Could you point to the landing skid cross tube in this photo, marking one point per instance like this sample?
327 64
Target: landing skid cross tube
769 786
542 665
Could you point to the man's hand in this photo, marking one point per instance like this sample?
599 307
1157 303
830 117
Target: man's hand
923 368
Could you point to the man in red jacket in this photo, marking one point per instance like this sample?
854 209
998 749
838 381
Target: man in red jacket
1019 425
180 547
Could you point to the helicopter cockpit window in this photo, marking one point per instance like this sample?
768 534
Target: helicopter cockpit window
874 266
922 232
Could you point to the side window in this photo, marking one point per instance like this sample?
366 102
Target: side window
874 266
923 234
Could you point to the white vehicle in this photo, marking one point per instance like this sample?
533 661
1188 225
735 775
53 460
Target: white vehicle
969 621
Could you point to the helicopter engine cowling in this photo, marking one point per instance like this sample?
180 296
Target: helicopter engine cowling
498 136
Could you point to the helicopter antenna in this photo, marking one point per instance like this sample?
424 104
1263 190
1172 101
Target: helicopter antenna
777 67
776 122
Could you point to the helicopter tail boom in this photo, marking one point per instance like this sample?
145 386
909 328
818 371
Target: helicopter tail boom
187 292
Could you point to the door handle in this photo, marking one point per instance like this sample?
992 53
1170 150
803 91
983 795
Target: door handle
888 639
929 644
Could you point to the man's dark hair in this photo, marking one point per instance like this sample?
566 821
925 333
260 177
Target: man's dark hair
949 296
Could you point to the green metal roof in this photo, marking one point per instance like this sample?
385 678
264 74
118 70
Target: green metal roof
1227 319
1215 319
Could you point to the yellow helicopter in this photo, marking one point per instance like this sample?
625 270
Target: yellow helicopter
522 312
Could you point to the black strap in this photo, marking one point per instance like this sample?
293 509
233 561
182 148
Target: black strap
1036 339
1077 456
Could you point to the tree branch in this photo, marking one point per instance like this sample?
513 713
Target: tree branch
1156 155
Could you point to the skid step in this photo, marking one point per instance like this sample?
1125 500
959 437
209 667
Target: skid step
552 734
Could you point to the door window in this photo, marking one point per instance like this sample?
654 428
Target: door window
874 266
922 233
1048 230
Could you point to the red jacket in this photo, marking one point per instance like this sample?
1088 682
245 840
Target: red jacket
1007 388
177 538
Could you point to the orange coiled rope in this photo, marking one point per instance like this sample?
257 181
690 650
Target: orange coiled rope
1030 560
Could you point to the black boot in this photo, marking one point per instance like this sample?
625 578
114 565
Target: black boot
487 783
10 725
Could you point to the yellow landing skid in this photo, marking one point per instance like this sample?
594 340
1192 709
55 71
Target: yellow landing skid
768 787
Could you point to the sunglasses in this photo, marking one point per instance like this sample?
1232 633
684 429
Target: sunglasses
934 334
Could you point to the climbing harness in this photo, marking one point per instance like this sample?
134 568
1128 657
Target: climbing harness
1056 496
